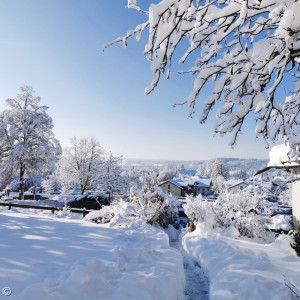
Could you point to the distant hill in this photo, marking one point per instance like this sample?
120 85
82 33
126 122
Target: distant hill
250 165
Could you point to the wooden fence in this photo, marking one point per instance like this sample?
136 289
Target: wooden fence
84 212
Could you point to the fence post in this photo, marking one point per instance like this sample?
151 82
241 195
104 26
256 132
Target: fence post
52 210
84 213
9 206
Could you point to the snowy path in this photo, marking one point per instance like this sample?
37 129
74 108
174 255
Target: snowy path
197 285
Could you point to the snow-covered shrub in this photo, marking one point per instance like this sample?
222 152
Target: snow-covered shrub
119 213
157 207
198 211
150 206
237 211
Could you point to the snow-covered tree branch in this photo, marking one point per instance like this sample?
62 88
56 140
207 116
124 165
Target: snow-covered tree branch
246 47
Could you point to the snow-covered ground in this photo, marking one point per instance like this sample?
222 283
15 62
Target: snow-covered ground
45 256
243 269
61 256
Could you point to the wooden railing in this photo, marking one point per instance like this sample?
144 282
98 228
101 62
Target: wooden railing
52 208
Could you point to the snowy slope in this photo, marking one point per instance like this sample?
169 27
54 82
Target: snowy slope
59 257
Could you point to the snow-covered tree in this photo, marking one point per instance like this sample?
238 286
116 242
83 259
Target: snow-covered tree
149 179
31 182
238 174
82 163
214 169
27 143
133 176
201 170
51 184
111 179
166 174
217 168
245 47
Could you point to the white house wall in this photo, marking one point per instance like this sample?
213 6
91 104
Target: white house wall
296 199
174 190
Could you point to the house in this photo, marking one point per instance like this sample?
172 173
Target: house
175 187
280 159
234 186
195 185
201 185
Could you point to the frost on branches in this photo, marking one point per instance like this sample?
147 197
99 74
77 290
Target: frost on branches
27 143
246 47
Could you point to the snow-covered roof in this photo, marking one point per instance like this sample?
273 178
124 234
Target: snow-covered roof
178 182
184 172
232 183
201 181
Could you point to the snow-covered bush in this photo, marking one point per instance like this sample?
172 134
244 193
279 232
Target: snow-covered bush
157 207
235 211
149 206
119 213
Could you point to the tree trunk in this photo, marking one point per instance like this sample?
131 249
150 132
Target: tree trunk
82 187
21 190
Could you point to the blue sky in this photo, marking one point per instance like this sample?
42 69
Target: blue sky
56 47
